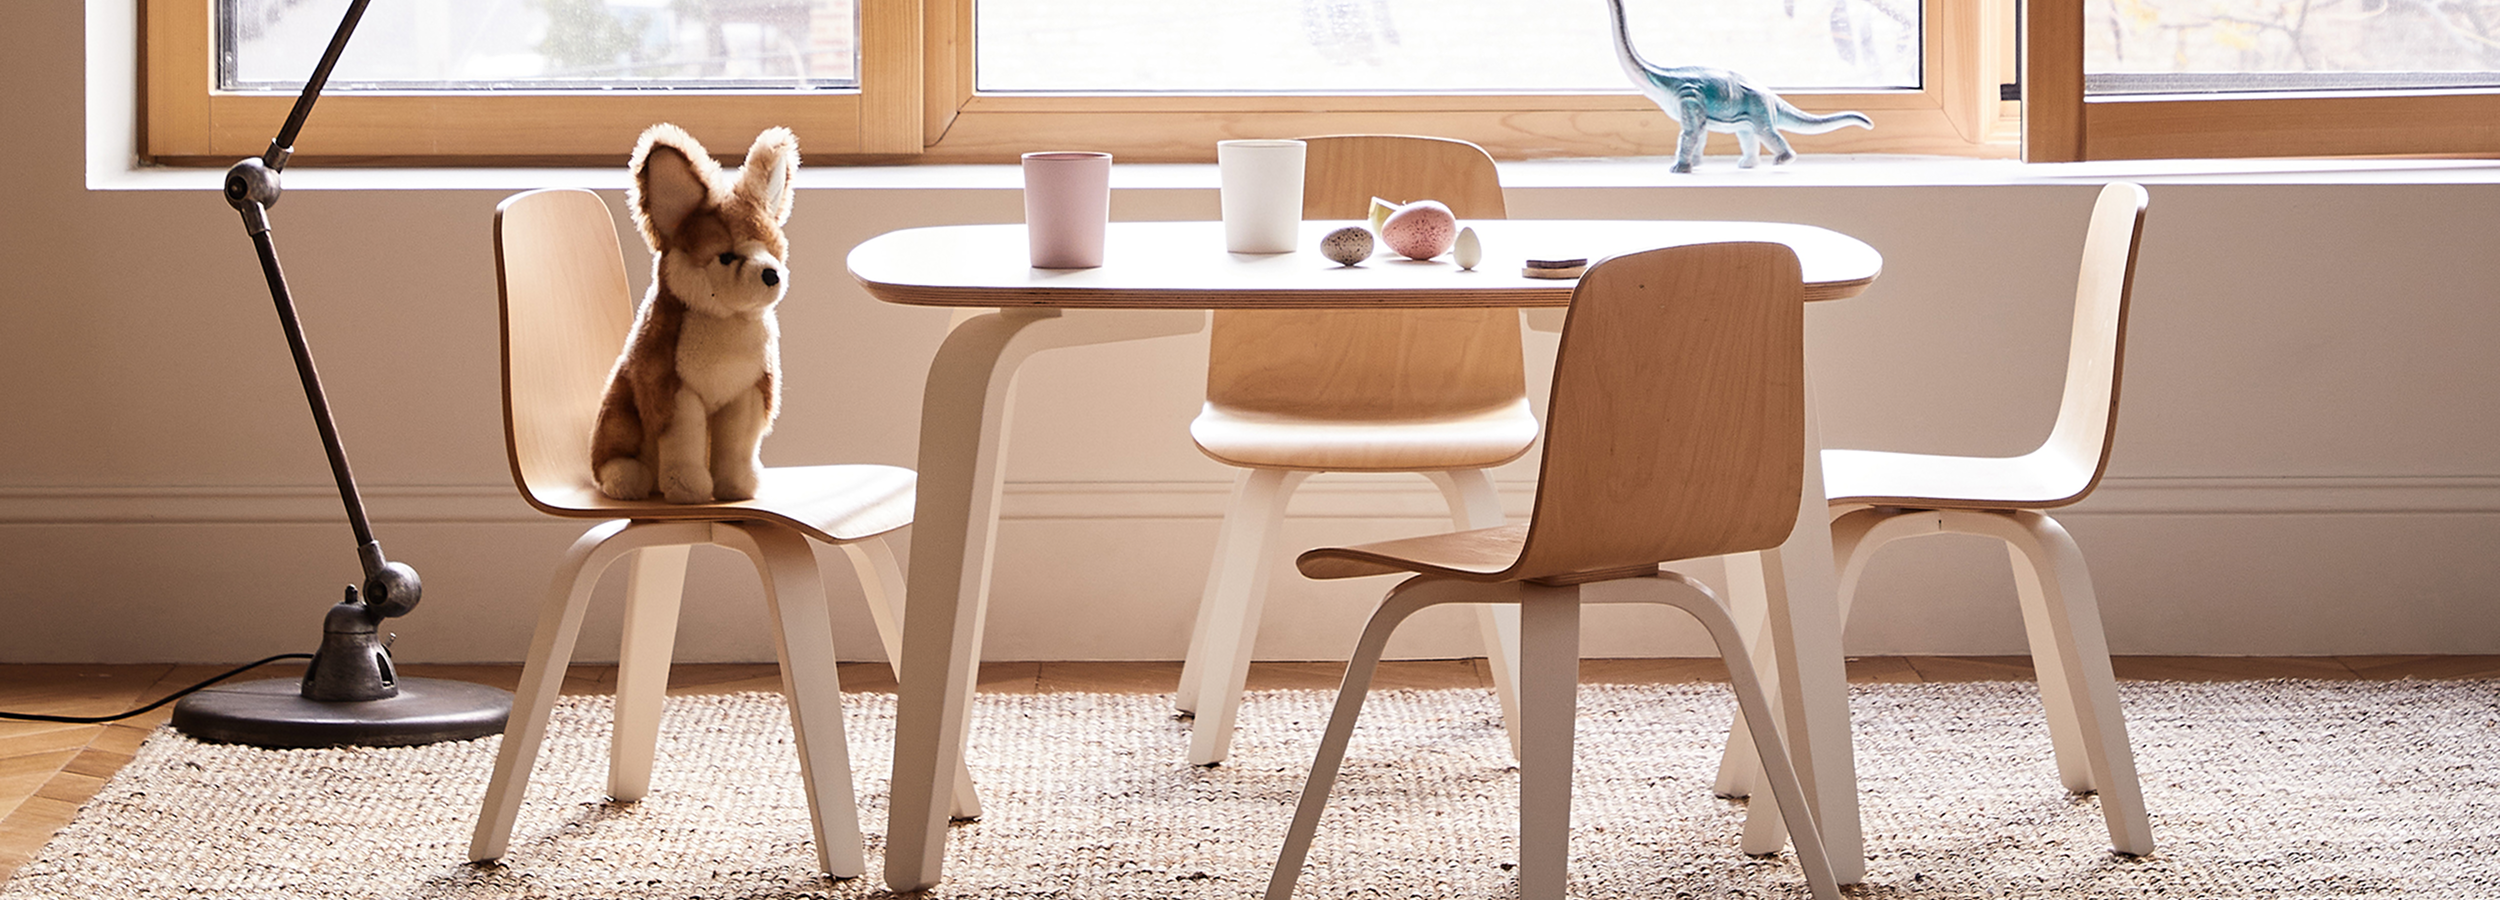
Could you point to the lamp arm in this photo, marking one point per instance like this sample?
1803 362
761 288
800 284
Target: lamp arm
251 187
283 146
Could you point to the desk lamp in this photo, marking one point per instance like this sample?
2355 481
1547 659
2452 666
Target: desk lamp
349 694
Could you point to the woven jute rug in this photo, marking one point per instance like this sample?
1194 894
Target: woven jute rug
2281 789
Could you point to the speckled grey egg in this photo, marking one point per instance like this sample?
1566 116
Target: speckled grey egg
1347 246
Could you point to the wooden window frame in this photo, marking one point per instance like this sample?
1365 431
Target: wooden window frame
185 120
2061 125
1967 44
916 102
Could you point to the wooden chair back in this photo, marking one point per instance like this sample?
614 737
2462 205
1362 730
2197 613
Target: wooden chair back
1343 172
1374 365
1677 421
566 310
2087 411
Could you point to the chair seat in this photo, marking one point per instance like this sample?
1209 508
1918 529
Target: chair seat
1475 555
835 504
2039 480
1259 440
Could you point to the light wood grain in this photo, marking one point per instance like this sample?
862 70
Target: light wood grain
1152 271
2052 60
562 289
1677 414
1182 265
1875 497
1437 392
566 309
2070 462
1676 429
1368 389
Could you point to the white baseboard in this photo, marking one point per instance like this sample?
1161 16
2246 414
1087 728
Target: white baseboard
1341 496
1111 570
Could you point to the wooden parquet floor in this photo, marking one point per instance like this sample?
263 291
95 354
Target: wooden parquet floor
48 770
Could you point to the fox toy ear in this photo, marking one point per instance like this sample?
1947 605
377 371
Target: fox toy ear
770 167
672 177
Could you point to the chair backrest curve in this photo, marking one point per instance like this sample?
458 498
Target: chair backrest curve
1374 364
2087 410
566 309
1677 421
1342 172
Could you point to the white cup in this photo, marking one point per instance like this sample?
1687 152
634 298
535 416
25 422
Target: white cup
1262 194
1067 207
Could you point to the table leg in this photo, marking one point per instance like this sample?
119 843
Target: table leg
963 429
1800 595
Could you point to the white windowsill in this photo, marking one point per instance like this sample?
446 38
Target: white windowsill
1628 172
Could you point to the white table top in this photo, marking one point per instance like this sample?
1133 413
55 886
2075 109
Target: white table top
1183 265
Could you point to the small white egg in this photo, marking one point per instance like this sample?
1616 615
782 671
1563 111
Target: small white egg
1467 250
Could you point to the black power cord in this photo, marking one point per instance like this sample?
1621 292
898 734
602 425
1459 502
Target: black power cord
177 695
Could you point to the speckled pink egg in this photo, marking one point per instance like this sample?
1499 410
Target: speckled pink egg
1420 230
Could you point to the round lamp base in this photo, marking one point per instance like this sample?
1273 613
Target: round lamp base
273 713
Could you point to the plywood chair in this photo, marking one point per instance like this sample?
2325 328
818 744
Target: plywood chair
566 309
1877 497
1676 422
1295 392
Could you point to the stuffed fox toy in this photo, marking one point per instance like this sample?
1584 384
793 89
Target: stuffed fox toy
695 391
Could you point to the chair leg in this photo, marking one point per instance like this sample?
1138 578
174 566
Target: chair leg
1549 655
2063 618
654 587
1474 503
1856 533
1748 600
1787 791
803 640
542 675
1740 763
2058 696
1409 596
1228 616
881 581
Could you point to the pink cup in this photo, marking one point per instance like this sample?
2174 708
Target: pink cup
1067 206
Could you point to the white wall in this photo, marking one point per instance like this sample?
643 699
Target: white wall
2308 460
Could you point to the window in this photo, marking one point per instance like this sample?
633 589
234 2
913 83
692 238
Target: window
573 81
1585 108
1431 46
528 81
269 45
2135 79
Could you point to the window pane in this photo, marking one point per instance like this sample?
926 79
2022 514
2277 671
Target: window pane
469 45
1409 46
2185 46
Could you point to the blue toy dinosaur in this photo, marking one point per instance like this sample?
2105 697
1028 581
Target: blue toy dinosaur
1701 97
